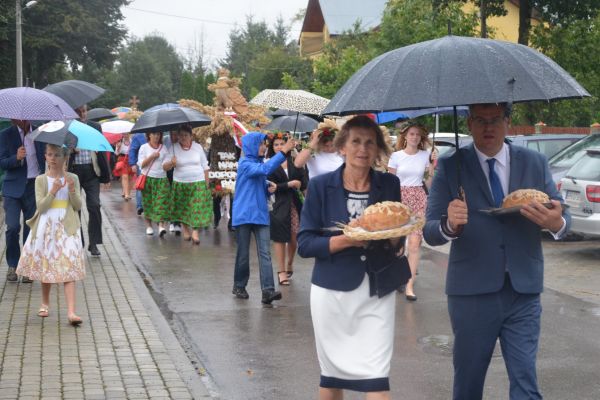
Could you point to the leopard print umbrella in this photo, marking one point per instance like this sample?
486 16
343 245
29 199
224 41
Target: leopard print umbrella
293 100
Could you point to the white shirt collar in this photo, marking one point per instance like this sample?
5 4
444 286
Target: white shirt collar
501 157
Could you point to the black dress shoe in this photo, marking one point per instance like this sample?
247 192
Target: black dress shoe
240 292
268 296
94 250
140 211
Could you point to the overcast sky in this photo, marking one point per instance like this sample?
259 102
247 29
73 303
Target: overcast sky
183 22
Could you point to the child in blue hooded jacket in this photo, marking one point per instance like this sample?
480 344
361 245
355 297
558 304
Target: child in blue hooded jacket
251 214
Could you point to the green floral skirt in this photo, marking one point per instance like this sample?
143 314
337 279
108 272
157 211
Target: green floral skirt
192 204
156 199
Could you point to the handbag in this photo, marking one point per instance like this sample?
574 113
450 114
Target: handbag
386 269
140 181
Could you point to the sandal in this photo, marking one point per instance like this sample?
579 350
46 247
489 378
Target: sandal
75 320
290 273
43 312
285 281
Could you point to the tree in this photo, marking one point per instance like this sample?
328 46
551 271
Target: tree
411 21
574 47
554 12
487 8
61 36
149 68
261 56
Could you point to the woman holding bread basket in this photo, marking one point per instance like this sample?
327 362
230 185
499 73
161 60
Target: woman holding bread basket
353 316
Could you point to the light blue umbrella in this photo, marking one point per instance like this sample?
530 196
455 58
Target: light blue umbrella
72 134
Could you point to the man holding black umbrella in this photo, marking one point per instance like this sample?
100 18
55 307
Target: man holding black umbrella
23 160
92 169
495 269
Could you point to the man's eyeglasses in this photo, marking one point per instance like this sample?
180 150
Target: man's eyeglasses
482 122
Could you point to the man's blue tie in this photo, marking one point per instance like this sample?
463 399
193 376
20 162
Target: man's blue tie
497 191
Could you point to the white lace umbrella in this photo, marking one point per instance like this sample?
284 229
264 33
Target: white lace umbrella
294 100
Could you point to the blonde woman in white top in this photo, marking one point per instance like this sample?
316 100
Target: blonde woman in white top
190 195
156 193
412 164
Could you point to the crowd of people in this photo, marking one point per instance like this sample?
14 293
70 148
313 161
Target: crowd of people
290 195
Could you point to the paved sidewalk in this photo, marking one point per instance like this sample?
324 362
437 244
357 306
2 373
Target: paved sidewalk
123 350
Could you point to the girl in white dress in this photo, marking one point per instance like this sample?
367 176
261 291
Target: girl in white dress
53 252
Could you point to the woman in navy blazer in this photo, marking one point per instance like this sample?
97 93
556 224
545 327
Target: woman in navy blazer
353 330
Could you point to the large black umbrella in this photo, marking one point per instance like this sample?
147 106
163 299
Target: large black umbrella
75 93
169 118
97 114
454 71
293 123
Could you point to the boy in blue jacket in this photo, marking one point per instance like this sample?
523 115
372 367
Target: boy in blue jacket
251 214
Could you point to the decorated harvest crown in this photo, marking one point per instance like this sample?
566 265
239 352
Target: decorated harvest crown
327 129
277 135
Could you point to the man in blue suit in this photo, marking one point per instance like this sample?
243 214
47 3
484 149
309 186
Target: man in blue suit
23 160
495 268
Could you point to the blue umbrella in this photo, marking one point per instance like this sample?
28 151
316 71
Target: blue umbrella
72 134
31 104
388 116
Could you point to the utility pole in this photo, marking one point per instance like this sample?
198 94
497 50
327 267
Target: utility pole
19 44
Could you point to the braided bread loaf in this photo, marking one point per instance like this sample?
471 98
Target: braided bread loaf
382 216
524 196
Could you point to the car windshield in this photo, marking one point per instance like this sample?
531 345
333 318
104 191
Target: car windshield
569 156
587 168
549 147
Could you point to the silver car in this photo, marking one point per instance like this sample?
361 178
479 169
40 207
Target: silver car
581 190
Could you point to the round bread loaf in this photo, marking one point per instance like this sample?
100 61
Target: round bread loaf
384 215
524 196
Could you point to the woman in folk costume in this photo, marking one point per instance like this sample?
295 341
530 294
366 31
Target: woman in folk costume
155 194
53 252
190 195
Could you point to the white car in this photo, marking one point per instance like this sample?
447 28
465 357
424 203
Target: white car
581 190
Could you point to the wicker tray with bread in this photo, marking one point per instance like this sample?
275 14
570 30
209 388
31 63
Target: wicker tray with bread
384 220
514 201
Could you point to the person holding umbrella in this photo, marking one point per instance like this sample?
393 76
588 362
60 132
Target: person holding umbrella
285 216
190 195
411 163
156 198
23 161
495 269
92 169
53 253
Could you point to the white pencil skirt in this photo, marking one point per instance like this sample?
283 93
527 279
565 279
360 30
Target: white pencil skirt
354 334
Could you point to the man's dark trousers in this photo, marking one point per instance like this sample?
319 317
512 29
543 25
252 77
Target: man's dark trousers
91 185
13 207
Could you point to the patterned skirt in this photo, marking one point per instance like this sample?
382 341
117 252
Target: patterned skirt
415 198
52 256
192 204
156 199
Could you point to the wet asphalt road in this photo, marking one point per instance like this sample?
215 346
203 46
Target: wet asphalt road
248 351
